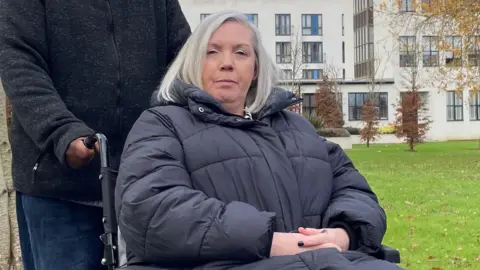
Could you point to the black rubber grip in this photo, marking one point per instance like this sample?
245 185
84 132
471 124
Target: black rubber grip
90 141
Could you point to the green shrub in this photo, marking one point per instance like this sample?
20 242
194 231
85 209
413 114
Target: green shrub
317 122
333 132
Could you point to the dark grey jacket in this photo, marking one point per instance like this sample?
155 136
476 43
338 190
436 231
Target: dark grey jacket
198 186
74 67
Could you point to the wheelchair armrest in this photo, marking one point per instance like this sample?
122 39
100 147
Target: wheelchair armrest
388 254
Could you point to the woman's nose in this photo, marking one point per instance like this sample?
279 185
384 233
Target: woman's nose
227 62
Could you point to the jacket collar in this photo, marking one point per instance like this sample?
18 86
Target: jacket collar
203 104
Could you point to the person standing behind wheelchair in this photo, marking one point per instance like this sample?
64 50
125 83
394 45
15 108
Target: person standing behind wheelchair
71 69
218 174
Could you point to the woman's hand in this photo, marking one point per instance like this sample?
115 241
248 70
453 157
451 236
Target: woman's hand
284 244
315 237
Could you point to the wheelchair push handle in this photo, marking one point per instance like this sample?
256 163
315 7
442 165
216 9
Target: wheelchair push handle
90 142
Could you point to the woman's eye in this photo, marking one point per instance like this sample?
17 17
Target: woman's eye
241 52
211 52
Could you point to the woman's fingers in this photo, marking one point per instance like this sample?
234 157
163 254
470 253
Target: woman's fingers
307 231
313 240
311 231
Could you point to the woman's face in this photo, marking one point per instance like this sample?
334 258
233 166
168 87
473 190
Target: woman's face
229 65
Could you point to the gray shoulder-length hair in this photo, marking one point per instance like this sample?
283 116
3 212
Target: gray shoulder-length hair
187 66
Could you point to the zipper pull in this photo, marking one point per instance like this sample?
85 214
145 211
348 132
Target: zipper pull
35 167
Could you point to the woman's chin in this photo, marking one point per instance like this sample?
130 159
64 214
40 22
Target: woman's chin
227 98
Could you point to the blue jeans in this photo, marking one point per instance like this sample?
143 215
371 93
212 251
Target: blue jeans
58 234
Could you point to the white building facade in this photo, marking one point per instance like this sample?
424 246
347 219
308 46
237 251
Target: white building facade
346 39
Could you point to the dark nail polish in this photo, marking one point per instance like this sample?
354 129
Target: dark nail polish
300 243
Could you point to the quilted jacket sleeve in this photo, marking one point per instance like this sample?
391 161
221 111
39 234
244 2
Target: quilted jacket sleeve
164 220
353 205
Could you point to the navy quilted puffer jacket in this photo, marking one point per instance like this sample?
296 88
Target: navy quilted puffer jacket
201 188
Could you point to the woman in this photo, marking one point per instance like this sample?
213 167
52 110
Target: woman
217 174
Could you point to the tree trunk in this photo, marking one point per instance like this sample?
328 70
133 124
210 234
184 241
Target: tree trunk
411 144
10 257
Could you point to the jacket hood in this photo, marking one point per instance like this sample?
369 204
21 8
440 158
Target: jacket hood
184 93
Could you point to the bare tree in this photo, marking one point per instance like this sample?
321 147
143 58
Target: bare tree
293 63
370 111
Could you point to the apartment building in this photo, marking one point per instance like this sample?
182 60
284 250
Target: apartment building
348 40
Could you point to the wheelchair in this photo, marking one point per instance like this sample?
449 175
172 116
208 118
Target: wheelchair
114 256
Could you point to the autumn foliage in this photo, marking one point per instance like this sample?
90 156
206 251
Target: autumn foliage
412 122
454 28
369 131
327 106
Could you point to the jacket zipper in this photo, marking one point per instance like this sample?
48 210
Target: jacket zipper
37 164
117 59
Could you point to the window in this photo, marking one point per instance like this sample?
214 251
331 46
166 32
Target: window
253 18
343 52
473 46
453 56
203 16
309 104
454 106
363 42
284 52
475 106
407 5
343 24
312 73
423 97
312 24
343 74
356 101
312 52
407 51
282 25
430 51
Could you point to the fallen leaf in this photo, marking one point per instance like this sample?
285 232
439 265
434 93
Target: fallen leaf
409 203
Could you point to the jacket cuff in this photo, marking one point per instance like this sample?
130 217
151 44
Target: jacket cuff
270 233
73 131
353 239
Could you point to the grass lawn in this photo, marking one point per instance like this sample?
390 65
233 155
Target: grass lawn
432 200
